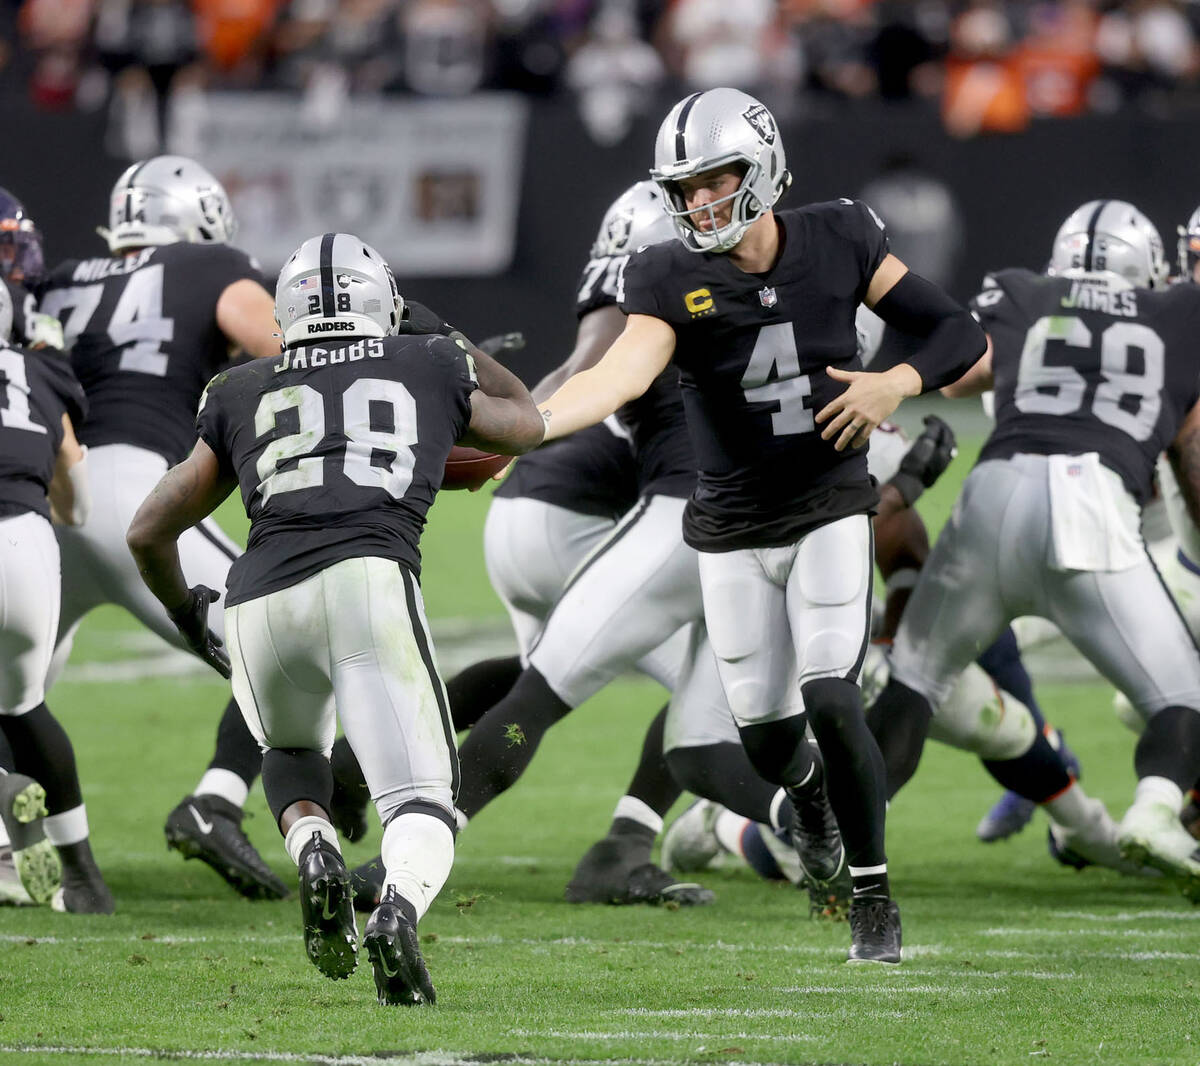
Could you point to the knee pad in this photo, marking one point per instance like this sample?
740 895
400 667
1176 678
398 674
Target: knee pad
975 717
830 653
290 775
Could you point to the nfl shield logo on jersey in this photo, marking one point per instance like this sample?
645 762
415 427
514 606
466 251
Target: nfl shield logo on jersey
767 297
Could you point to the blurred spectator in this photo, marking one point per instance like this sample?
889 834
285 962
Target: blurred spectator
908 41
1147 47
233 34
718 42
445 45
614 72
56 32
985 89
1057 58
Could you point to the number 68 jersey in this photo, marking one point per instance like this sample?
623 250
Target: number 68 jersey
338 450
1086 365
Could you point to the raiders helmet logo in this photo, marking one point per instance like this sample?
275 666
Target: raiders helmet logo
760 118
616 235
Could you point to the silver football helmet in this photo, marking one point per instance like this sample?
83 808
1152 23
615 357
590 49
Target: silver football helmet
168 200
713 129
336 286
6 315
1110 237
1189 245
638 216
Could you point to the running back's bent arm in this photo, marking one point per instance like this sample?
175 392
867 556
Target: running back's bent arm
503 417
628 369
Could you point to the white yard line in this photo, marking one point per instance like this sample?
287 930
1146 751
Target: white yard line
1129 916
644 1034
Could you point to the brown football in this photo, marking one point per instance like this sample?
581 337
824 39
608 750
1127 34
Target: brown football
469 468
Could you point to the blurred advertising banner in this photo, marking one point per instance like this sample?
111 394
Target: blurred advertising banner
434 185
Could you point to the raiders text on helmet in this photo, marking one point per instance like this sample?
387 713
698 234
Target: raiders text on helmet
1110 237
711 129
168 200
336 284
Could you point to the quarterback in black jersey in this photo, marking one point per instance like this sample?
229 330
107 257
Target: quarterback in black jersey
338 447
757 311
41 468
1094 373
147 326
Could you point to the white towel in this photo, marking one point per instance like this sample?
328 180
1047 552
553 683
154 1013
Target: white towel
1094 519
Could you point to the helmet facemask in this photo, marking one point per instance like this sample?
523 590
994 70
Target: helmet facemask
745 208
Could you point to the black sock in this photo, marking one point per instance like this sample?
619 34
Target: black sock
724 774
292 775
474 691
1170 746
6 755
77 858
237 751
867 885
42 750
1038 775
899 720
652 781
502 743
347 772
854 771
779 750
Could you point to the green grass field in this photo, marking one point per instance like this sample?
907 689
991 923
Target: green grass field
1008 957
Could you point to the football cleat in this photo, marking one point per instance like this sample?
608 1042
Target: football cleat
327 906
616 870
815 835
12 892
652 884
401 977
874 930
829 899
209 828
1092 845
83 889
1151 835
690 842
34 858
1009 815
367 881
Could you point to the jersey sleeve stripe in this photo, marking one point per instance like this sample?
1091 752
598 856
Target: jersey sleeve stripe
328 304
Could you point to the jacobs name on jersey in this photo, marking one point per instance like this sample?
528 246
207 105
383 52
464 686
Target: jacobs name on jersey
751 352
144 338
1074 360
338 451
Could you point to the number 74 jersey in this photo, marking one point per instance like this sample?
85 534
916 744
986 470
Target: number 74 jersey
1084 365
338 449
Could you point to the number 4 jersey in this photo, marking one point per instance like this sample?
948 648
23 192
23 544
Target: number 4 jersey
1085 365
338 450
143 335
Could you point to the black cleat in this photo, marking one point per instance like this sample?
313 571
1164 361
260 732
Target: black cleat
874 930
83 889
829 899
815 834
367 882
209 828
327 905
22 807
616 869
401 977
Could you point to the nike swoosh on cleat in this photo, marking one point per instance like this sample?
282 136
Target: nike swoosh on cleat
326 914
205 827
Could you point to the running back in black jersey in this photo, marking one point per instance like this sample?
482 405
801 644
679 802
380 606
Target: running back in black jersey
144 339
338 451
1084 366
36 390
752 352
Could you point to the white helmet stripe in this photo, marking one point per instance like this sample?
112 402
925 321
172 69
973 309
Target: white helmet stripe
328 302
685 109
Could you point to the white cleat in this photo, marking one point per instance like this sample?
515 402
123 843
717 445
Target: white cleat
1094 844
1151 835
690 842
12 892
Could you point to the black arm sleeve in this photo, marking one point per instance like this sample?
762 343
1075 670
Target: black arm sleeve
951 341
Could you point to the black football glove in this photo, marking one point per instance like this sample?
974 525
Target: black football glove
419 319
502 342
926 460
192 622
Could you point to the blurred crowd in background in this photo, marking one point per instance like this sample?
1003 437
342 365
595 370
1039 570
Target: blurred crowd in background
985 65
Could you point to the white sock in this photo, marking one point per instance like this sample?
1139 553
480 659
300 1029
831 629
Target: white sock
1071 808
729 828
418 851
223 783
5 839
302 831
637 810
70 827
777 802
1159 790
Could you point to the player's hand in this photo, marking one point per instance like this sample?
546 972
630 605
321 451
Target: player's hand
869 399
191 620
44 331
502 342
926 460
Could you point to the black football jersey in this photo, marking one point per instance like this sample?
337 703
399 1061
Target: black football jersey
143 336
24 304
338 449
752 352
590 472
36 390
1081 366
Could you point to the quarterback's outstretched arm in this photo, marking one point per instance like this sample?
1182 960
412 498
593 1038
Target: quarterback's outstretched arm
628 369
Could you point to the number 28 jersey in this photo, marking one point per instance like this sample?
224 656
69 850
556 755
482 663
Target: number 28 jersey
1084 366
752 351
143 335
338 450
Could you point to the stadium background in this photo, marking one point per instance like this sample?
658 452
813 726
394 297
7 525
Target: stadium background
1011 112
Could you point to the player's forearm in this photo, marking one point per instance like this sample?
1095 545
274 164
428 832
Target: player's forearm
901 548
509 427
1185 461
584 400
158 563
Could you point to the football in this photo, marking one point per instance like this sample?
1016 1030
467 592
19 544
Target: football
469 468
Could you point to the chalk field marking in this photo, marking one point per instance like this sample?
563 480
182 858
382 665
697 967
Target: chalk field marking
650 1034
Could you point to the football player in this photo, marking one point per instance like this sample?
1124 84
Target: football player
338 448
757 312
42 468
1094 378
147 326
22 266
